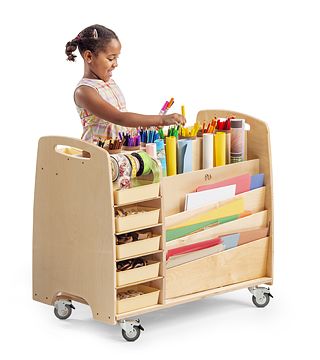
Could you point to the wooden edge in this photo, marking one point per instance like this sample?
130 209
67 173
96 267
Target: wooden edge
196 296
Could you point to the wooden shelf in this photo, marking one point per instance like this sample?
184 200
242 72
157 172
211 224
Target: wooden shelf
139 255
139 228
139 282
135 202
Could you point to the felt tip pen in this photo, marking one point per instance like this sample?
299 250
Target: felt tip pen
164 107
183 112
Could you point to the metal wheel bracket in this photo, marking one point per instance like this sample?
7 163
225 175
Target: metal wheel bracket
60 305
127 325
258 292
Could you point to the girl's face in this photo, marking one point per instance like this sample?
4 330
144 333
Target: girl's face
102 64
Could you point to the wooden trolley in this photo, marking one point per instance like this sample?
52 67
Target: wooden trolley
74 233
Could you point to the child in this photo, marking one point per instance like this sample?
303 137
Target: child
99 101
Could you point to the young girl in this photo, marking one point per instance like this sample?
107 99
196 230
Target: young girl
99 101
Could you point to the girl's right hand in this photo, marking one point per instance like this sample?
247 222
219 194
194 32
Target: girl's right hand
173 119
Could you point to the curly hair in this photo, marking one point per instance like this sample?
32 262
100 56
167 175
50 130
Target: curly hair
93 38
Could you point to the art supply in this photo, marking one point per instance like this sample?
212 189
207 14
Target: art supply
184 155
121 170
151 149
163 109
256 181
207 151
242 183
171 155
237 140
196 200
161 155
220 149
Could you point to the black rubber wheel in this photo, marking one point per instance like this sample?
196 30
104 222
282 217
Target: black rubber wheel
263 303
65 314
133 336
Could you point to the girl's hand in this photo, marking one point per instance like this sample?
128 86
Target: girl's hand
173 119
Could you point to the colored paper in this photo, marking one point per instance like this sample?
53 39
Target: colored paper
184 156
176 233
199 199
194 255
220 149
251 235
193 247
171 155
231 208
230 241
242 184
256 181
207 151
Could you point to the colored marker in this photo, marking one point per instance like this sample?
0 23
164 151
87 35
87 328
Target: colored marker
183 112
164 107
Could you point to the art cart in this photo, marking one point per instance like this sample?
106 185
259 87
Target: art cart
75 254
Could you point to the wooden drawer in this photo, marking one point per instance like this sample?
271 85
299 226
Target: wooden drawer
136 194
149 217
149 298
242 263
137 247
139 274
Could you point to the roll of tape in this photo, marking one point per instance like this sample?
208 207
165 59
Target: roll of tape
146 162
141 163
124 173
114 168
133 163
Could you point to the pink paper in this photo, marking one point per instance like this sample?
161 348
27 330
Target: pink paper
242 183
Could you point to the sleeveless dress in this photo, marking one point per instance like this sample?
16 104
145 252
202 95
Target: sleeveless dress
93 126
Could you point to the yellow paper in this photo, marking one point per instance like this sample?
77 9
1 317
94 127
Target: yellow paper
220 148
171 155
233 207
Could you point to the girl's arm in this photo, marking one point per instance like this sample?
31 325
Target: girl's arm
89 99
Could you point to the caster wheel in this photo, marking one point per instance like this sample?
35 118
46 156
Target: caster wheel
133 335
264 301
64 313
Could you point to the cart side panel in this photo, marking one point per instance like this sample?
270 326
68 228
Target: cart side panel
73 231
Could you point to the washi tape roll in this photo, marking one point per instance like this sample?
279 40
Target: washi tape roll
141 163
133 163
146 162
124 171
114 168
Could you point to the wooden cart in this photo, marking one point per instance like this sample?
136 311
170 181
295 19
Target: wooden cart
74 234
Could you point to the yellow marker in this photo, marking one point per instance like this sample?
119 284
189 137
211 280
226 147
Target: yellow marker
183 111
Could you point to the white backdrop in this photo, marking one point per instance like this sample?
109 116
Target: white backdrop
260 58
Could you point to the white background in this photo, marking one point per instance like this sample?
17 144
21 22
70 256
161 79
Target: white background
260 58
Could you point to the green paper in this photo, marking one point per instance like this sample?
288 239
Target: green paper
186 230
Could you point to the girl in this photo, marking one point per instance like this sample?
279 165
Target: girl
99 101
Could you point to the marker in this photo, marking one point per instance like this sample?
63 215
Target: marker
170 103
164 107
183 112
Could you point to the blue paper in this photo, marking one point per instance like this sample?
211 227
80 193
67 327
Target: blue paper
230 241
256 181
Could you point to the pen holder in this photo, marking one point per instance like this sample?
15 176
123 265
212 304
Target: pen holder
113 151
